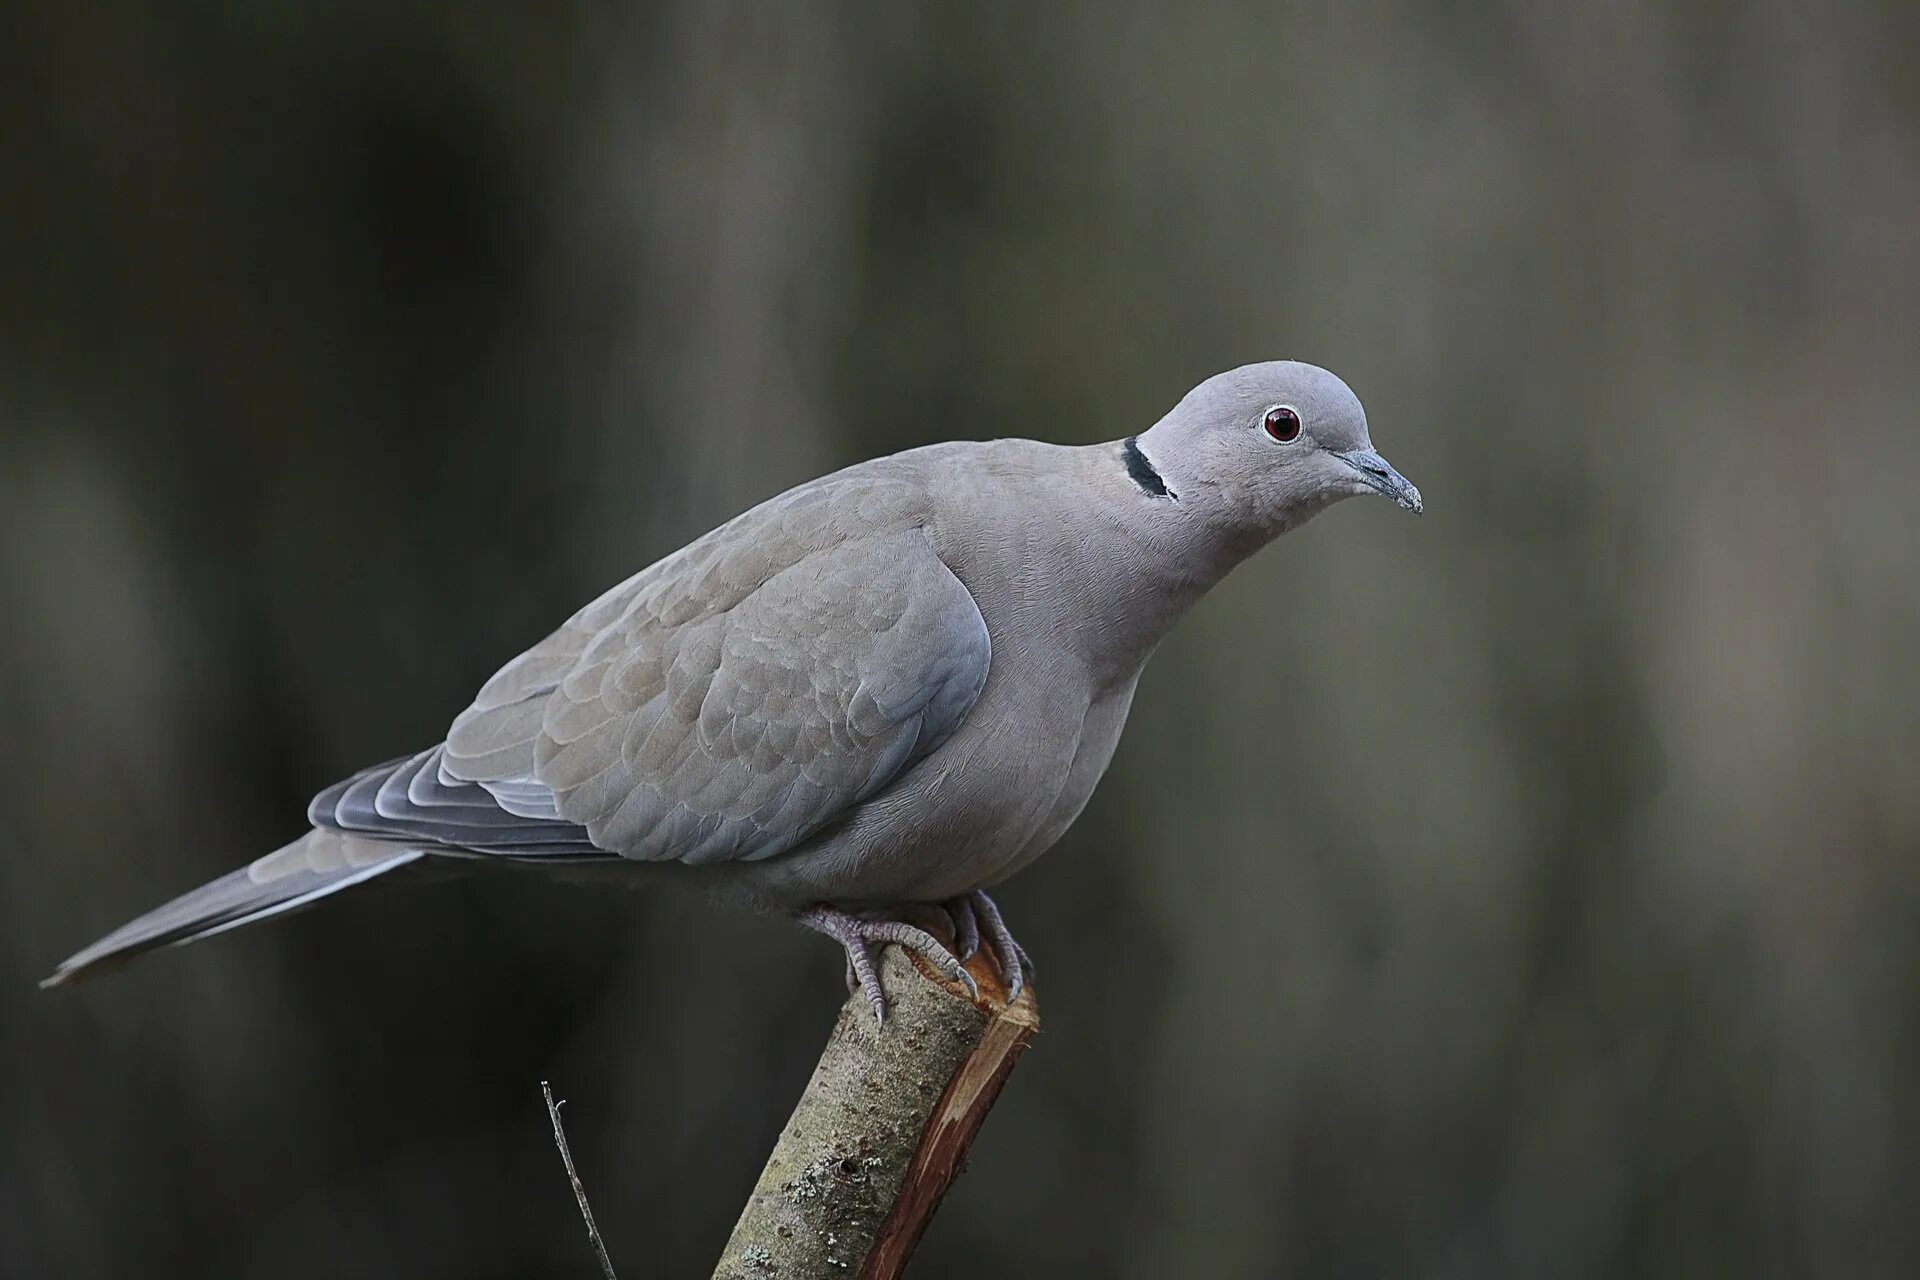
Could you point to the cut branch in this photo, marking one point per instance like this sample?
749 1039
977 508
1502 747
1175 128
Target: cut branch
882 1129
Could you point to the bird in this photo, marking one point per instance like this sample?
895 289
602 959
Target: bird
863 704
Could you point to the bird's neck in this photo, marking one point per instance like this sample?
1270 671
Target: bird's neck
1147 556
1181 542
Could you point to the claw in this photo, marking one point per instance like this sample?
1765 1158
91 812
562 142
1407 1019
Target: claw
858 935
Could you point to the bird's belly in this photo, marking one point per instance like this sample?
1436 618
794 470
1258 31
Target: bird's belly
987 802
958 819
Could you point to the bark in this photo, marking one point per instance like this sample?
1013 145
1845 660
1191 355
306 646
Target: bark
882 1129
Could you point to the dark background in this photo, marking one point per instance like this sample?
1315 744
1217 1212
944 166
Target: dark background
1526 891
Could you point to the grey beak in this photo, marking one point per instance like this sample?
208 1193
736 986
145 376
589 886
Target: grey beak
1383 479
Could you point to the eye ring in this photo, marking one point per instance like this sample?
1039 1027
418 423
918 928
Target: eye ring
1282 424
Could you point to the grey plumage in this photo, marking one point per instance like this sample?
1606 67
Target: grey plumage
316 865
893 685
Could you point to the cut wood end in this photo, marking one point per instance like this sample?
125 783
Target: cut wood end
992 1000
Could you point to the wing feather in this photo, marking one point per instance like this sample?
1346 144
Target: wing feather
738 696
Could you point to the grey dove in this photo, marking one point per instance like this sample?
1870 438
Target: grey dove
879 693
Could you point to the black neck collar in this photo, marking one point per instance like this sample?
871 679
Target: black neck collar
1142 473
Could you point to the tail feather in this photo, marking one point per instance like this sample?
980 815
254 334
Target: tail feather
316 865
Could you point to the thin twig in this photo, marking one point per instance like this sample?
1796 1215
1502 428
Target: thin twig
579 1188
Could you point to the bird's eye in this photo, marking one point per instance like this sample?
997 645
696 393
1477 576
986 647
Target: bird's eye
1283 424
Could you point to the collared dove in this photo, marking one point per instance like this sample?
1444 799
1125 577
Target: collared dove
879 693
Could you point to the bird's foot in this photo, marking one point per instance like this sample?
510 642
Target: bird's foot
975 916
859 935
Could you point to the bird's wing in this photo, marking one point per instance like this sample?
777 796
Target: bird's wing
735 698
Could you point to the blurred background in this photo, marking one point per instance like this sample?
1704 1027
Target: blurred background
1529 890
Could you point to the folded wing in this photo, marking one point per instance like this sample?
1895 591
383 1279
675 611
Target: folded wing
729 702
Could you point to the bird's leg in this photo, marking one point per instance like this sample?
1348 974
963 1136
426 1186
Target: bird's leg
858 935
1015 966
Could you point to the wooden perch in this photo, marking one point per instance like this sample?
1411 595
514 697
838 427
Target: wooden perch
882 1129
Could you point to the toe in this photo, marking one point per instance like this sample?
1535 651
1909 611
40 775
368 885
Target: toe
861 972
1027 967
925 945
1015 968
966 928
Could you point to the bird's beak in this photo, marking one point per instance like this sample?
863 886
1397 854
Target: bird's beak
1379 475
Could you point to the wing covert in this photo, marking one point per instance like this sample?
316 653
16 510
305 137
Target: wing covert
732 704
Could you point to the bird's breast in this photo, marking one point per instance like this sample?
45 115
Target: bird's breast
995 796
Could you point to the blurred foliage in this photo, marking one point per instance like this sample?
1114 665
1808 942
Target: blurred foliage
1531 890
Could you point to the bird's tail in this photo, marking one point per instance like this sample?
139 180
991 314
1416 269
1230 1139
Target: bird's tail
316 865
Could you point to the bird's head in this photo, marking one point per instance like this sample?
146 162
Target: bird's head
1265 447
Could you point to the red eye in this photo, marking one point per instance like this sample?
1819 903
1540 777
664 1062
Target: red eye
1283 424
